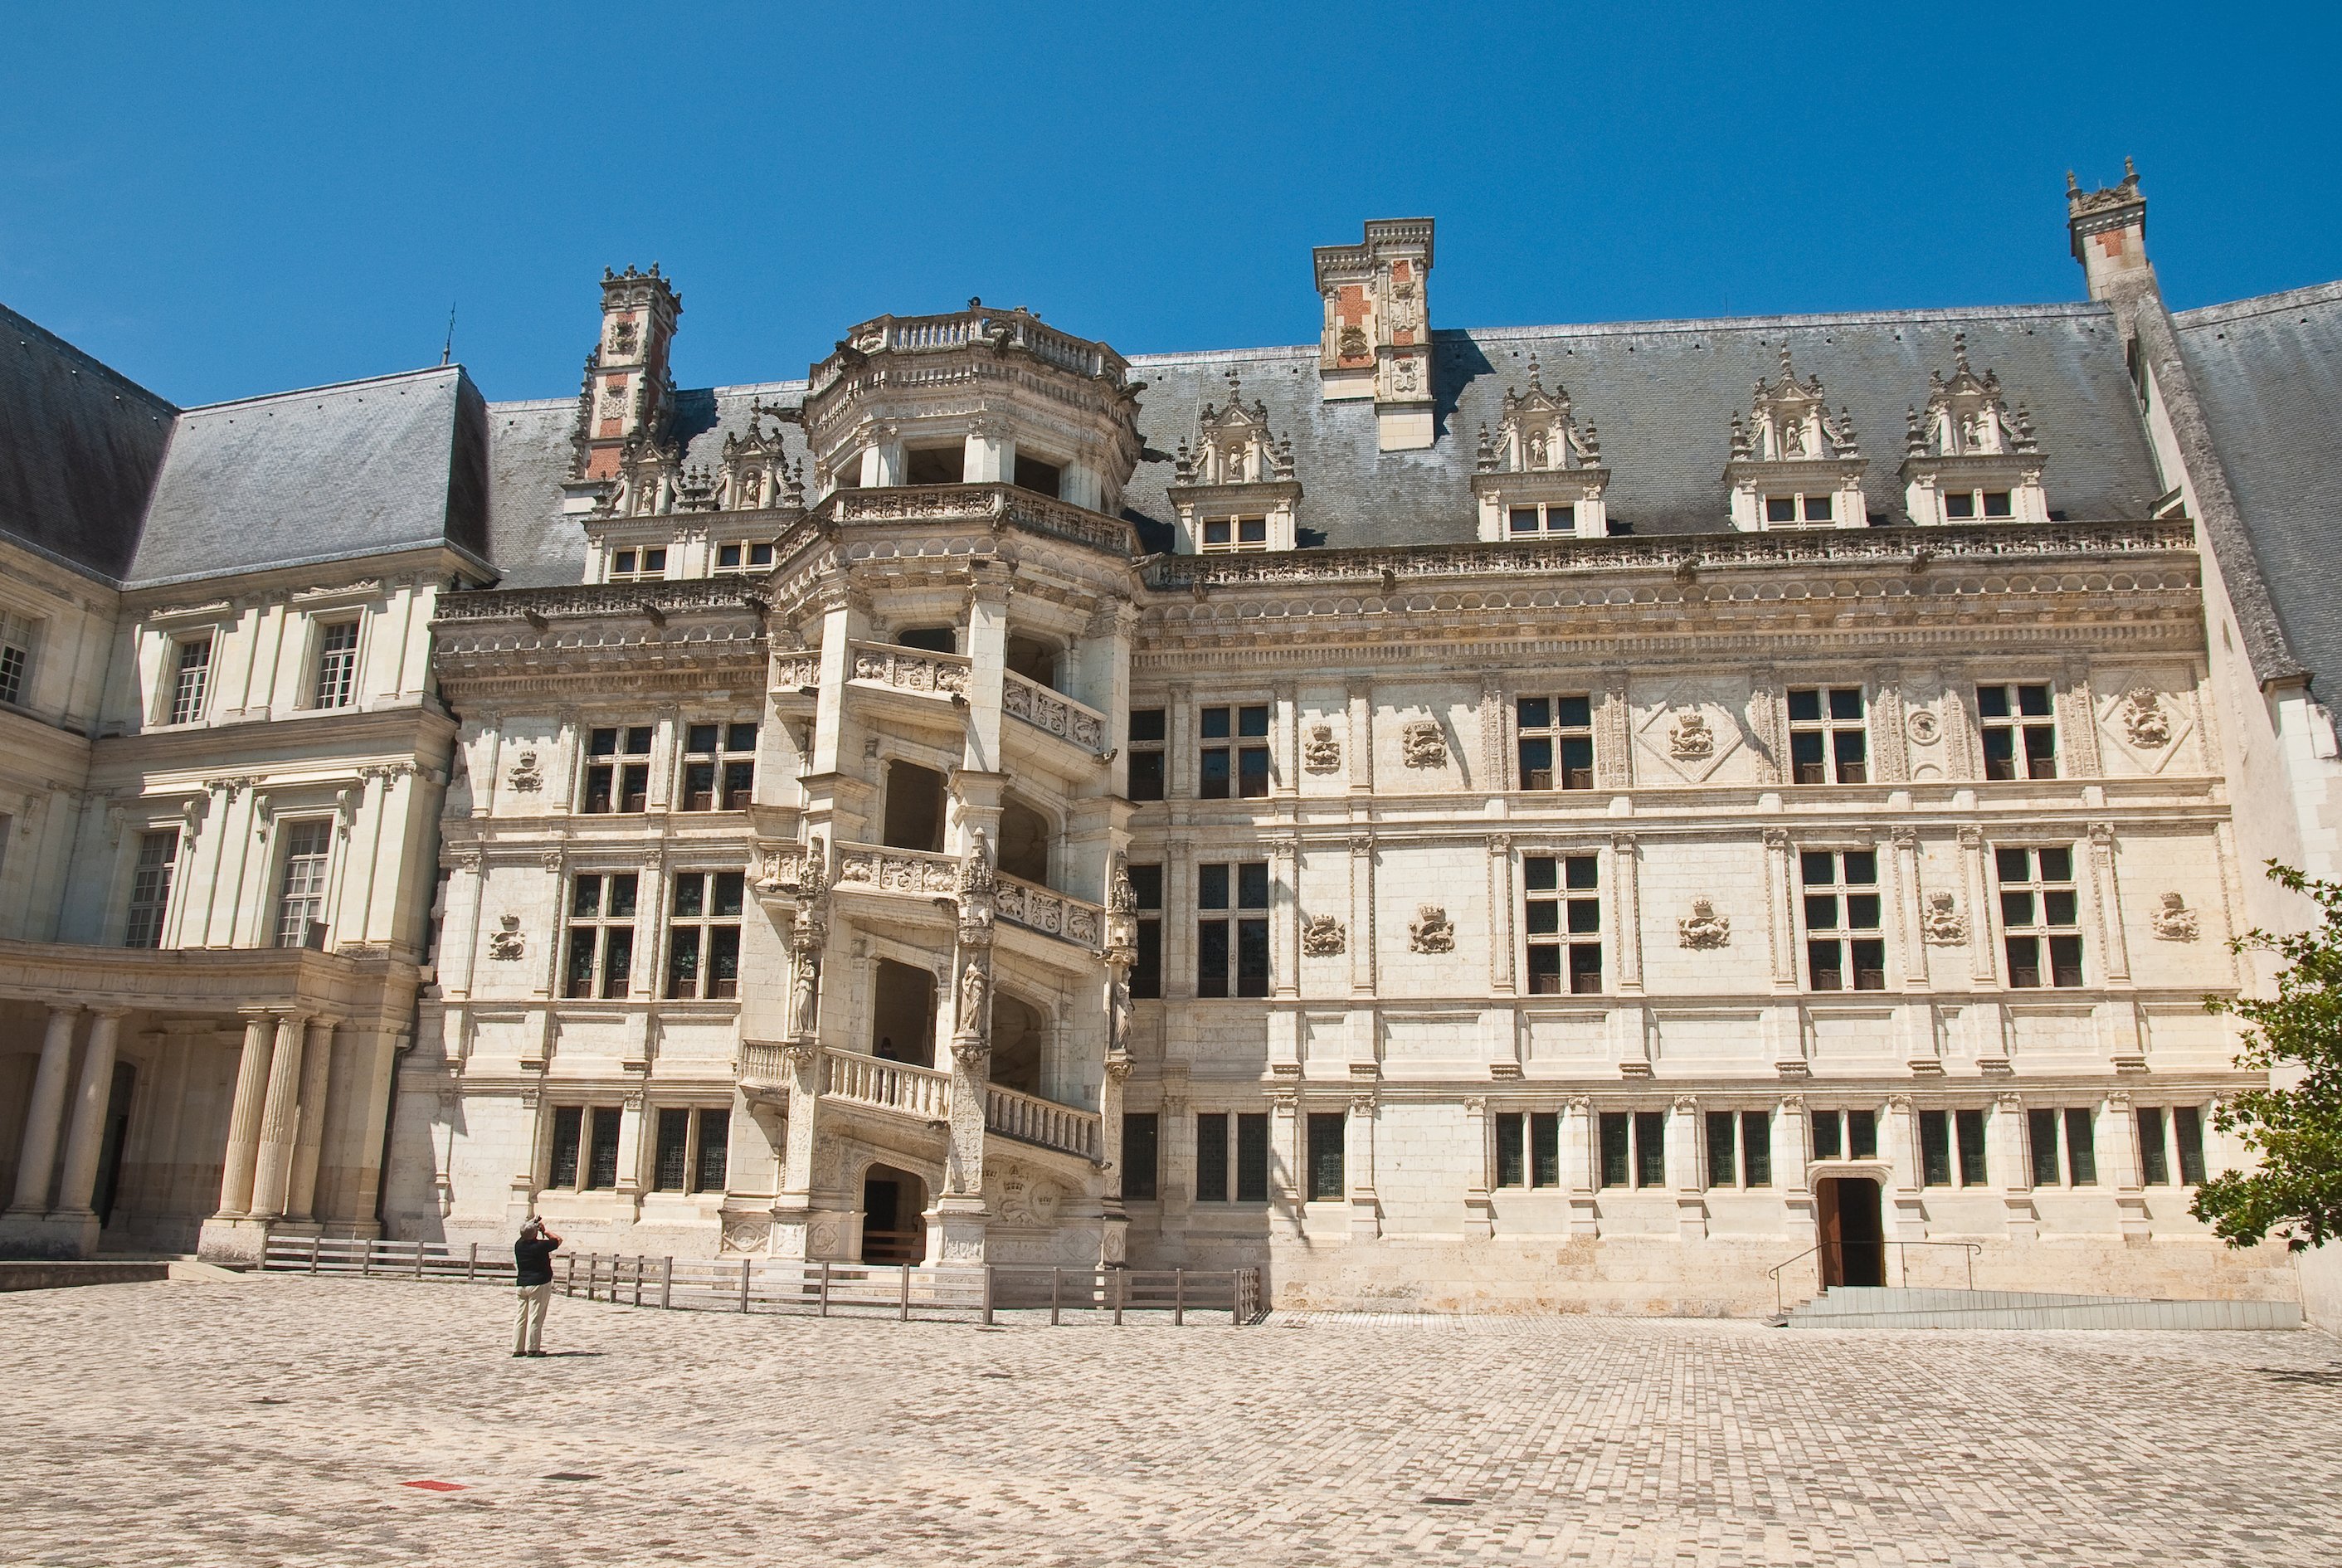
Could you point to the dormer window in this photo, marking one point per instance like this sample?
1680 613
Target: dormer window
1794 464
636 566
1965 456
743 557
1554 518
1234 488
1539 474
1229 534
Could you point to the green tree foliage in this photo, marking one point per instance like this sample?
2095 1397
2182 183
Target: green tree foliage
2296 1192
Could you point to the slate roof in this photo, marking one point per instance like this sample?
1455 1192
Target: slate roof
80 445
362 468
2269 377
1662 394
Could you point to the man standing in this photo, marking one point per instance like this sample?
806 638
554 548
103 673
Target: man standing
532 1272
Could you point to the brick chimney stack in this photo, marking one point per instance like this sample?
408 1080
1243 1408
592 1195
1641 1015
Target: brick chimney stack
628 391
2108 229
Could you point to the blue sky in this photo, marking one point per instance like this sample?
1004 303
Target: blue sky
224 200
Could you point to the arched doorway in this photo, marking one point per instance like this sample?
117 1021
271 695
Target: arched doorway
891 1228
902 1014
1017 1035
1847 1225
915 807
1023 850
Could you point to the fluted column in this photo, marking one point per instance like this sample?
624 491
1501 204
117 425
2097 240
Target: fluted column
244 1120
308 1147
38 1159
87 1134
279 1120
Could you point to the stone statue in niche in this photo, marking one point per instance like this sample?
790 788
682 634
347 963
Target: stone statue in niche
506 945
2174 921
1431 931
973 983
1321 753
1703 927
1423 743
526 776
1941 923
1691 739
2144 720
1321 936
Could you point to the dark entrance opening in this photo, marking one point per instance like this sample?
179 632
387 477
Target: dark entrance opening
902 1014
1853 1238
891 1230
915 807
109 1149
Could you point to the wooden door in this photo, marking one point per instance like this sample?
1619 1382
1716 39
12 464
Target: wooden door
1829 1232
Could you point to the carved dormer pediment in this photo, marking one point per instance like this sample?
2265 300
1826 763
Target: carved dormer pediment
1967 456
1793 463
756 473
1234 487
1539 474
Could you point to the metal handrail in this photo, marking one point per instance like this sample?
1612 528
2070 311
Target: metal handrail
1974 1250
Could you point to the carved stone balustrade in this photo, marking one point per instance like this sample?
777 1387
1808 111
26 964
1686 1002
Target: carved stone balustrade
1036 908
1043 709
984 505
764 1069
908 669
873 868
1030 1119
898 1086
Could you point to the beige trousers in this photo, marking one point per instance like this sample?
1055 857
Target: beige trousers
529 1333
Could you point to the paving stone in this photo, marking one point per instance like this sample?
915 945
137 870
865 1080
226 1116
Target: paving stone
145 1427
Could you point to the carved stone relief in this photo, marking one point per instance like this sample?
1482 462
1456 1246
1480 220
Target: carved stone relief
1322 936
1688 726
1690 739
1321 753
507 944
1431 931
1941 923
1703 927
526 776
1424 743
2173 921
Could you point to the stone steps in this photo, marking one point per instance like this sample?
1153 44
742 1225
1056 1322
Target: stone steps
1869 1306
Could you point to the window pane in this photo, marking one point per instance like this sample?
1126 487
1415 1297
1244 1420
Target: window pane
1781 509
1824 966
1252 885
1651 1148
1252 773
1325 1130
602 1158
1537 763
1806 765
731 888
1845 702
1212 1158
1579 872
2041 1139
2033 701
1524 519
638 740
622 893
1584 968
1145 725
1969 1125
2056 864
1584 916
1576 762
700 739
2081 1148
1819 868
1996 503
2153 1160
2057 908
1534 713
1960 506
723 961
1252 957
2013 865
567 1121
1862 867
1992 702
1543 917
1869 964
2188 1131
2017 909
1862 1135
1212 886
1544 1149
1804 707
1756 1149
1862 911
1573 713
1722 1167
1216 724
1212 781
1140 1155
1935 1149
1252 1158
580 973
715 1141
1146 885
2040 753
1827 1144
1851 752
1540 873
1146 775
683 962
618 959
1212 958
1999 752
1613 1128
2066 961
1818 508
1512 1168
1147 969
1252 723
1545 970
673 1150
690 892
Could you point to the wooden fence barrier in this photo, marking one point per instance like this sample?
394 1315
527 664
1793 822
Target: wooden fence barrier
816 1289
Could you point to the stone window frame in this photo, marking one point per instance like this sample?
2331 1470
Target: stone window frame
725 757
160 906
286 832
1830 724
1235 748
1563 857
174 705
2040 889
20 636
322 628
1841 931
601 920
708 923
1556 734
698 1115
2020 725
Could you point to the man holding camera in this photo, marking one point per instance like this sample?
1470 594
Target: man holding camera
532 1272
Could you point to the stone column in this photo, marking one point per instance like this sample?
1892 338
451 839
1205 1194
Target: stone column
37 1160
308 1148
244 1120
86 1136
2118 1166
1684 1164
1792 1149
1579 1131
279 1120
2005 1156
1479 1208
1899 1136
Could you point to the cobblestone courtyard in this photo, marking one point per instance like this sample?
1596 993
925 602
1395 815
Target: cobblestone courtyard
282 1421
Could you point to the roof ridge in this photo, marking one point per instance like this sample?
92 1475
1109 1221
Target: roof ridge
28 324
425 373
2260 304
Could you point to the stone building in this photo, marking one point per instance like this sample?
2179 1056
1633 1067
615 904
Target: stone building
1570 816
